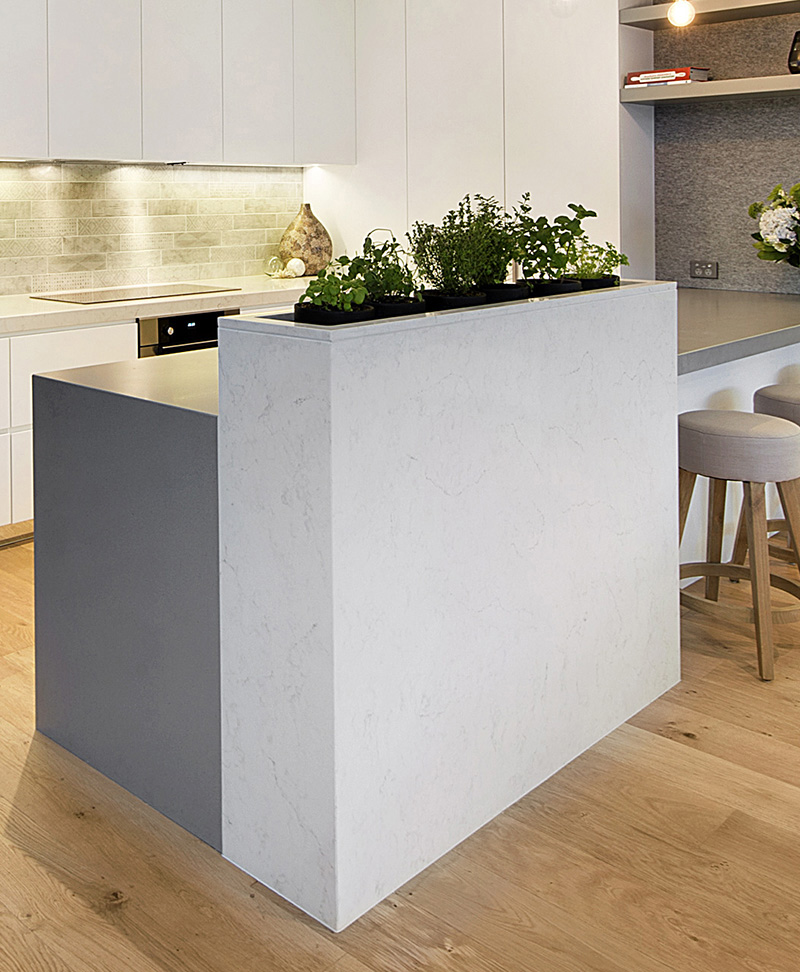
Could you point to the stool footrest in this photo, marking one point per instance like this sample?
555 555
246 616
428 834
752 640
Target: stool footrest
785 615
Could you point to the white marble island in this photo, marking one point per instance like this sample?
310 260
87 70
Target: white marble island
448 566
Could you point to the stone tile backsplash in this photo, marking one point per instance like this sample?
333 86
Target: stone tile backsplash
71 227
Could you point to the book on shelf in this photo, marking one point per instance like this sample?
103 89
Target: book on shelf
640 79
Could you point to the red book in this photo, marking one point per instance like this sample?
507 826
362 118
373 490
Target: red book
668 76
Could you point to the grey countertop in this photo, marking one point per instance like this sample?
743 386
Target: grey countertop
187 380
718 326
714 327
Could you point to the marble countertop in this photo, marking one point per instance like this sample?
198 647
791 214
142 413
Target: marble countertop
22 314
718 326
187 380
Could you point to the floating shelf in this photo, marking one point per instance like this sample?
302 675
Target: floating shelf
708 12
735 89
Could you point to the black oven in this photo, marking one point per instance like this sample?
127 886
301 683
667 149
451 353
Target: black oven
180 332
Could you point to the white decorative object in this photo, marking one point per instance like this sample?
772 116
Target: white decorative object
295 267
448 566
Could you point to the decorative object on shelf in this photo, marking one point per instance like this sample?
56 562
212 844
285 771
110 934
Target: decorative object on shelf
684 75
681 13
306 239
337 295
794 55
778 226
546 250
391 284
294 268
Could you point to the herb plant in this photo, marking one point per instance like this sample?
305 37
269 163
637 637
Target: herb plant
778 226
547 249
495 230
384 269
454 256
336 287
591 260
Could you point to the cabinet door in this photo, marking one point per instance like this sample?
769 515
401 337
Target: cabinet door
324 82
35 353
182 80
5 386
95 79
23 79
258 81
455 103
5 478
21 475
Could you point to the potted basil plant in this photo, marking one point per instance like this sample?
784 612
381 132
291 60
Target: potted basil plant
390 281
546 249
337 295
449 257
594 264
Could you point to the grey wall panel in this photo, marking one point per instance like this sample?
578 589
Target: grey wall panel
713 160
127 594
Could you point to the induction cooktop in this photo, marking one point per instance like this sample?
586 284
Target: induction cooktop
133 293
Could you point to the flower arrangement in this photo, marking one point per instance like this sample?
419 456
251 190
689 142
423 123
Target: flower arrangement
778 226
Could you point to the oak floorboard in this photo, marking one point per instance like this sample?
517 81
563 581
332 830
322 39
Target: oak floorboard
653 851
751 748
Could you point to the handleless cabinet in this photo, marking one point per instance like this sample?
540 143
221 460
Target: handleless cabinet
182 80
95 79
34 353
258 81
21 475
23 79
5 478
455 103
324 82
5 394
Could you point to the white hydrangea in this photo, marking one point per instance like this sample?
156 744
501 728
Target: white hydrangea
778 227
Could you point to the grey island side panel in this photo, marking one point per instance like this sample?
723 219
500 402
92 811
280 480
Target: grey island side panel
127 593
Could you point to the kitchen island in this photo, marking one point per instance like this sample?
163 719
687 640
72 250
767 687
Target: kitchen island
447 567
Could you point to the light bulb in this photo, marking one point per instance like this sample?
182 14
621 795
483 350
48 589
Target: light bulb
681 13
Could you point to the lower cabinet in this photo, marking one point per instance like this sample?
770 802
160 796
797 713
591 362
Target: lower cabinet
24 355
5 477
21 475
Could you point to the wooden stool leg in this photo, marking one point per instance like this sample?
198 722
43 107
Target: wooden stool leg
755 509
686 482
789 493
740 544
717 489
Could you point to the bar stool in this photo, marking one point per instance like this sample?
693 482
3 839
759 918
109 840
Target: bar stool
753 449
783 401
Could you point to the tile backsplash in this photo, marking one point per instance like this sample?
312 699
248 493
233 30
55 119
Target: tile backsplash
77 226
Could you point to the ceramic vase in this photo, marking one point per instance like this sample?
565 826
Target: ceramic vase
306 239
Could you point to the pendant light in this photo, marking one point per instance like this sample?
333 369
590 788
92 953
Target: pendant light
681 13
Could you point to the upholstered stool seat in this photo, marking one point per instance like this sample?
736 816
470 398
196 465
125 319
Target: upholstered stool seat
754 449
782 401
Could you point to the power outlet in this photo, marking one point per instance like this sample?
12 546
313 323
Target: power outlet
708 270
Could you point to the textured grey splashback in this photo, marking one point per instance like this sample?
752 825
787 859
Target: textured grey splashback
713 160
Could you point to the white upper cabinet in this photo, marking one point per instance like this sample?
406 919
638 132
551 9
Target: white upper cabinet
258 81
324 82
455 103
182 80
95 79
23 79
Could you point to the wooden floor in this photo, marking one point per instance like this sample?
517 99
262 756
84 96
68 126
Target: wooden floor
672 846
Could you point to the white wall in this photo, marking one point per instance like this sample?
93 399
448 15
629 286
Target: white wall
488 96
637 177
